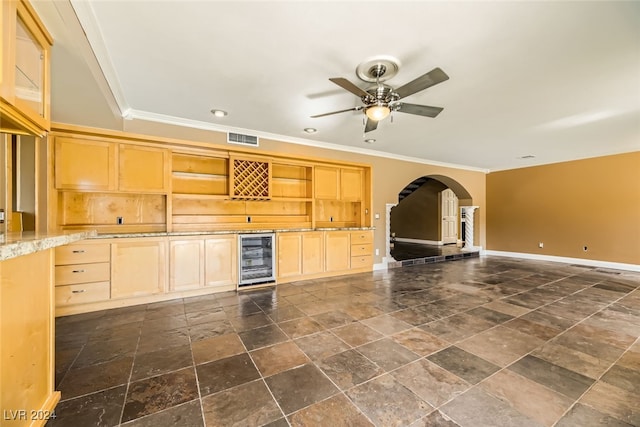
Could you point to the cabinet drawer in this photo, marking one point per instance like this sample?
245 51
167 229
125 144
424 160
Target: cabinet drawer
361 261
361 249
358 237
82 254
80 294
82 273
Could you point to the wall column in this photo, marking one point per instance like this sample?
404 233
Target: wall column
468 228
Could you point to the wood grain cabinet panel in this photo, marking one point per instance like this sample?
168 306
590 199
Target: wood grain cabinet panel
337 251
143 169
221 261
290 253
351 185
82 253
326 182
85 164
312 252
138 267
186 264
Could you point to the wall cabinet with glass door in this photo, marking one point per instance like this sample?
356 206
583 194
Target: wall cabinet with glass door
24 70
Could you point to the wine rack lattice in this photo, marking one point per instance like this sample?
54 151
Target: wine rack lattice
250 179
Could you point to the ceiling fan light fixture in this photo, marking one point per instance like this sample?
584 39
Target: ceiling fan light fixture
378 112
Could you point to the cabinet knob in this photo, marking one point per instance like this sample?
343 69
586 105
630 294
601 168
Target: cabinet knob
78 251
77 271
79 291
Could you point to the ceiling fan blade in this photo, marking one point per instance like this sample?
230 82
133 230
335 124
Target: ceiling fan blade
432 78
420 110
336 112
347 85
371 125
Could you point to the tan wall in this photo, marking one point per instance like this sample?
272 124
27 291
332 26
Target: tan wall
390 176
593 202
418 215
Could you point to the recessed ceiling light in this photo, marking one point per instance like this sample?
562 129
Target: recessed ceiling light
219 113
370 141
310 130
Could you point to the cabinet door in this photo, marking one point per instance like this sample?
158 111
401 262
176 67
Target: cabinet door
351 184
326 182
221 260
337 254
138 268
84 164
186 264
289 254
143 169
312 252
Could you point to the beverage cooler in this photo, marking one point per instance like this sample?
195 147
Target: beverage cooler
256 256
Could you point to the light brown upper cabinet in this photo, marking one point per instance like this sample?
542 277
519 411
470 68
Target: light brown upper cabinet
85 164
102 165
333 183
24 70
143 169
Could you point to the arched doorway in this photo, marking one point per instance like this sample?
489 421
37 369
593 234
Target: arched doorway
419 214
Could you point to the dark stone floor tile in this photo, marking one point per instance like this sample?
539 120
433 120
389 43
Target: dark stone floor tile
361 311
387 324
549 320
248 404
584 416
226 373
557 378
78 382
301 327
158 393
321 345
537 330
101 409
300 387
336 411
356 334
287 312
457 327
430 382
349 368
333 319
203 331
279 357
216 348
614 401
387 354
95 352
208 316
479 409
114 332
164 324
489 315
187 414
165 339
245 323
262 337
624 378
157 311
435 419
162 361
419 341
386 402
467 366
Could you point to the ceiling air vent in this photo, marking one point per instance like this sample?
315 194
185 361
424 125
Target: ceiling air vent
238 138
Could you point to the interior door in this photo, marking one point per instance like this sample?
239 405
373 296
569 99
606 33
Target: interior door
449 216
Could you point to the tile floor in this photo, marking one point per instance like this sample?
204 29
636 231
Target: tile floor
474 342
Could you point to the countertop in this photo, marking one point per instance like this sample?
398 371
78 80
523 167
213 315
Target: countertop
16 244
206 233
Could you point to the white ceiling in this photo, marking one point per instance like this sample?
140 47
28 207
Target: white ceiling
556 80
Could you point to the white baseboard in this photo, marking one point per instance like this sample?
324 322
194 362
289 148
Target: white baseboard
566 260
380 266
422 242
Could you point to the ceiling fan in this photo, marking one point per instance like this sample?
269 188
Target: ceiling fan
381 100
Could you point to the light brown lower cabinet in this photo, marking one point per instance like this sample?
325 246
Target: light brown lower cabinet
138 267
221 261
186 264
337 251
312 252
27 395
289 250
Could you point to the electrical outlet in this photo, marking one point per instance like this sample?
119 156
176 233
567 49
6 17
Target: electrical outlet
377 216
541 245
119 220
377 251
